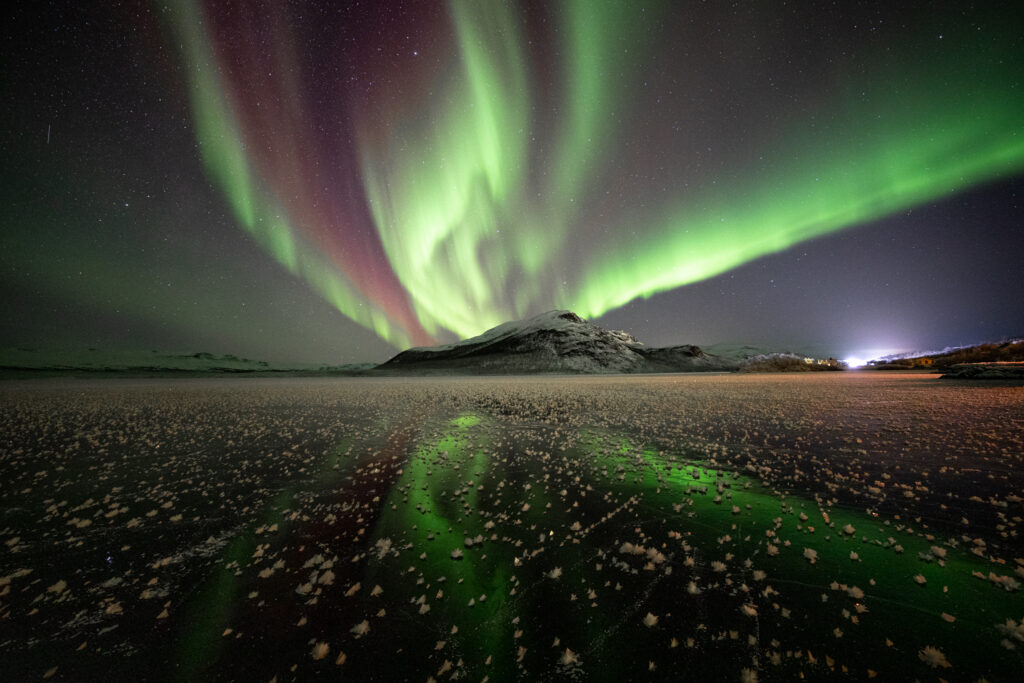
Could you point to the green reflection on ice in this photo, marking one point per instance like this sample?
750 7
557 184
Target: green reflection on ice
213 607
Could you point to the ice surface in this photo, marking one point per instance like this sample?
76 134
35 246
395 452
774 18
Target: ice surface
617 528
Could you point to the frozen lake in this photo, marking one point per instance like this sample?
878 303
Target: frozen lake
734 527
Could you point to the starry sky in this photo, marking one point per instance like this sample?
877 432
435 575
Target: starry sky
333 182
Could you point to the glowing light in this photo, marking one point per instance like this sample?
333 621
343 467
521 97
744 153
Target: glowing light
274 200
488 196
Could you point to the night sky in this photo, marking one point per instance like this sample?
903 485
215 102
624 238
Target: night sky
333 182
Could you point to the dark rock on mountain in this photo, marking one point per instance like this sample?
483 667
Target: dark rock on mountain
553 342
1005 370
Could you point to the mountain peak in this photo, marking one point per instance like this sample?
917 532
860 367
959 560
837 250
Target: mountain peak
566 315
556 341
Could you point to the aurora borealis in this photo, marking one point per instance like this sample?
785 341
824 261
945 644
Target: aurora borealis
332 182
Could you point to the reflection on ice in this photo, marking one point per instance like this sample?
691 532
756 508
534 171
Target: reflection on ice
590 528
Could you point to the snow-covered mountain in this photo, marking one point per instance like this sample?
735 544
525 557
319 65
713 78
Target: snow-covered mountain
737 352
556 341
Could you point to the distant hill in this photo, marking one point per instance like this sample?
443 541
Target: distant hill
1003 352
1000 352
563 342
736 352
35 362
999 370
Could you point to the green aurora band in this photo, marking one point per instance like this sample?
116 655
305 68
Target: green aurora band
492 202
252 202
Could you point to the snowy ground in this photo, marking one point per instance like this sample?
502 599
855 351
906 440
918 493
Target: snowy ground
626 528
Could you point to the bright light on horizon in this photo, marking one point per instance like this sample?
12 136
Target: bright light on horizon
861 357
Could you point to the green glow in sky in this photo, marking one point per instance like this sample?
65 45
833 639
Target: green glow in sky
476 240
529 179
440 203
223 151
866 166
